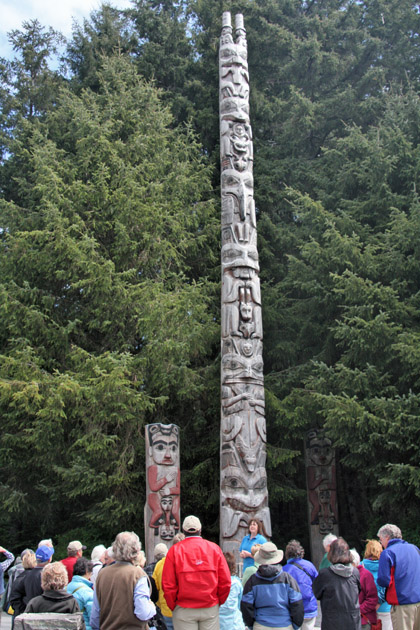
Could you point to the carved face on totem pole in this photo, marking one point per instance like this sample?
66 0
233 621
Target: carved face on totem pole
320 471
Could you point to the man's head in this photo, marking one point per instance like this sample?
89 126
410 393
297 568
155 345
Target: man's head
327 540
126 547
109 556
191 526
387 532
43 555
75 549
47 542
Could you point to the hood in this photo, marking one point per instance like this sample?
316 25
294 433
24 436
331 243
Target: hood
269 571
371 565
343 570
77 581
57 595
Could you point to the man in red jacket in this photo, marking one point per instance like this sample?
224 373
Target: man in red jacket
75 551
195 580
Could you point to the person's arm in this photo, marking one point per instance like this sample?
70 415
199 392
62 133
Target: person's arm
247 603
384 570
370 594
295 602
144 608
9 558
17 594
169 581
318 585
95 613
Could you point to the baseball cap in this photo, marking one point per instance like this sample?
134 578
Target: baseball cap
75 545
44 553
191 524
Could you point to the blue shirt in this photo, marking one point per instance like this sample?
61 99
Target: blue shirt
246 545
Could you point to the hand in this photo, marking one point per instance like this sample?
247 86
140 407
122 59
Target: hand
171 476
2 549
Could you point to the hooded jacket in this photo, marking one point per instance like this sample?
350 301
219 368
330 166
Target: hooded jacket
337 587
373 566
399 572
272 598
82 591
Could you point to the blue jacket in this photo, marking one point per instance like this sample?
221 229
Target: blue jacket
373 566
82 591
304 581
399 572
230 616
272 598
247 544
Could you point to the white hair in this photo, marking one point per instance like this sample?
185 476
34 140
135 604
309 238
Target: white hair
47 542
389 531
328 539
355 558
126 547
97 552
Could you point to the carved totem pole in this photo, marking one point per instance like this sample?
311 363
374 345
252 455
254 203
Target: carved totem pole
322 490
243 478
162 510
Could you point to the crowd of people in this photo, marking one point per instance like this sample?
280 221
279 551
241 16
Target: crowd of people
194 585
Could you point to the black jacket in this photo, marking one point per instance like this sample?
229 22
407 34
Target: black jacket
337 587
26 586
53 602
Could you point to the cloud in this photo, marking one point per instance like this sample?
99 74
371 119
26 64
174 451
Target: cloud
48 12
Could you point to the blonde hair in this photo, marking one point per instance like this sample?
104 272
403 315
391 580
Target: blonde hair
29 560
373 550
54 577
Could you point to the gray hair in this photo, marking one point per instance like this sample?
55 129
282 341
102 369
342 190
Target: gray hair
47 542
126 547
328 539
355 557
97 552
389 531
293 550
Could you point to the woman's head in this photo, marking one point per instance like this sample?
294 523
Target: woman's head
373 550
83 567
339 552
231 562
255 527
29 560
54 577
294 550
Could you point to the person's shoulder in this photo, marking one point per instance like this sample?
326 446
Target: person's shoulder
260 539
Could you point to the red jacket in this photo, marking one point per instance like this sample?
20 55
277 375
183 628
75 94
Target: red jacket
368 596
69 564
195 575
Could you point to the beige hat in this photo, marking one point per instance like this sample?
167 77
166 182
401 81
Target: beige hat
268 554
191 525
75 545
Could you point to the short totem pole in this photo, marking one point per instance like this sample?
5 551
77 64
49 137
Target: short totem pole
162 510
243 477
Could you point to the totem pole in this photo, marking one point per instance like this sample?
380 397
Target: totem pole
162 510
243 478
322 490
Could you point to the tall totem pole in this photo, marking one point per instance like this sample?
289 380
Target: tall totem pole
243 478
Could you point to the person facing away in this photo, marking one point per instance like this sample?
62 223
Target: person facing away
55 598
230 616
157 578
337 587
82 588
326 543
196 580
98 558
399 573
271 597
368 596
28 585
304 573
74 550
121 597
16 600
372 554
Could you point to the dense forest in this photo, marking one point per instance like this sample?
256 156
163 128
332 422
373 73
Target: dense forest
110 260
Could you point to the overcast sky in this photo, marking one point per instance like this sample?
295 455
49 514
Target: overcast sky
56 13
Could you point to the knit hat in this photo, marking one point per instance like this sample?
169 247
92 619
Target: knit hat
191 525
268 554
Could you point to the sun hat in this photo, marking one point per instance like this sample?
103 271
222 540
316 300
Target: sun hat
268 554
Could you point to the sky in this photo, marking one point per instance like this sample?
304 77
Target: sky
56 13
